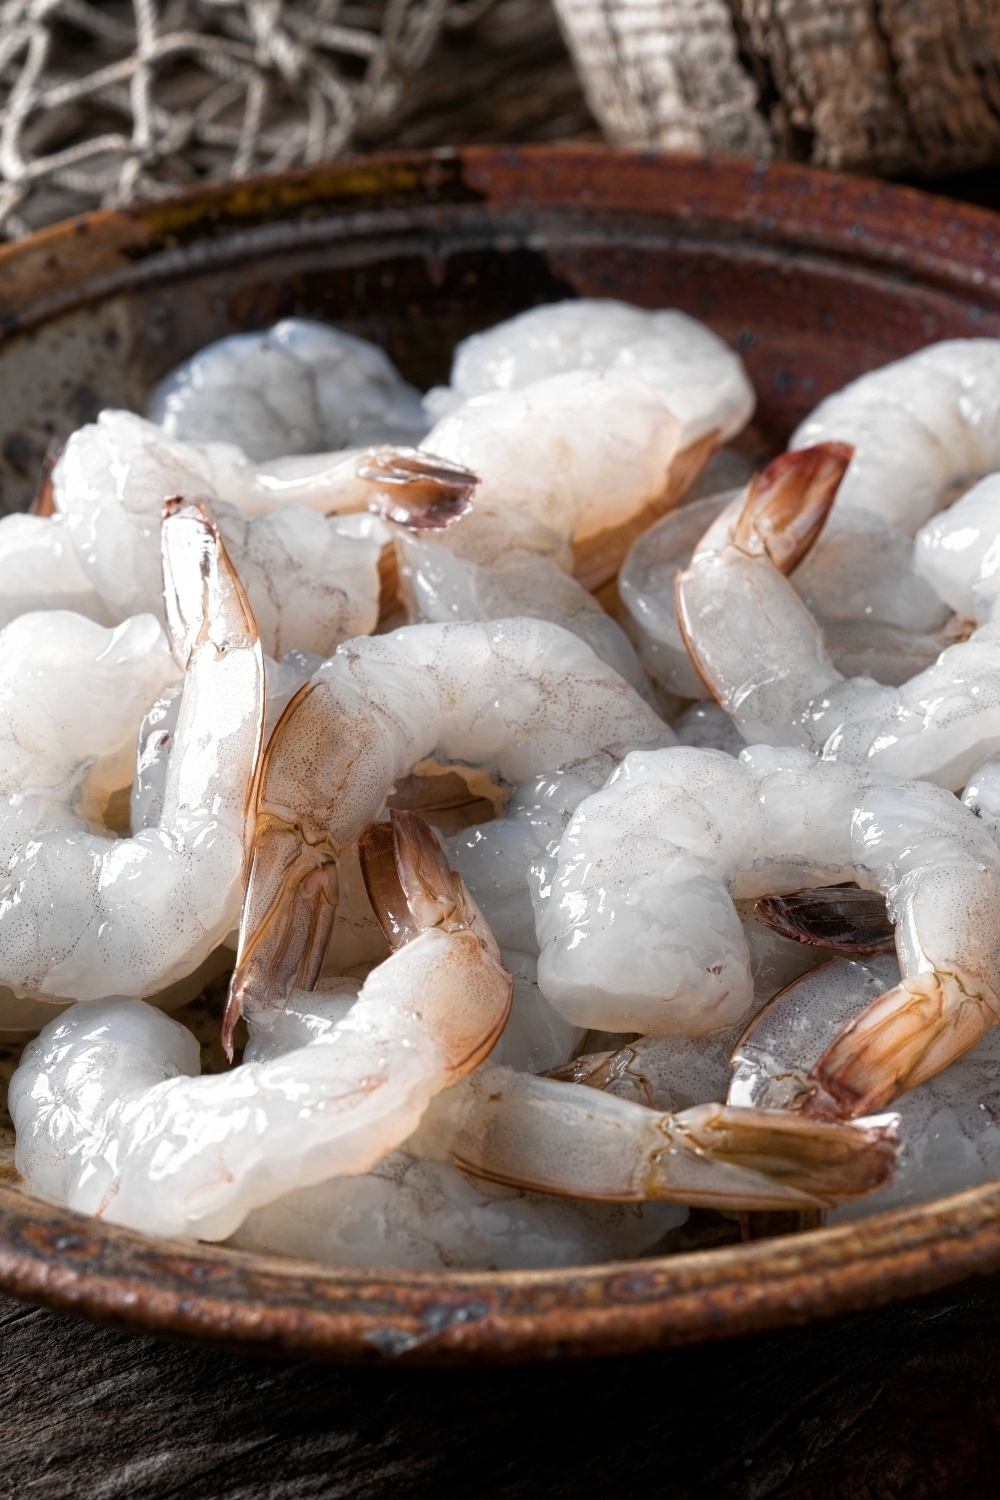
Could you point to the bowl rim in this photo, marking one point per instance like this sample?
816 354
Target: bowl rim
63 1260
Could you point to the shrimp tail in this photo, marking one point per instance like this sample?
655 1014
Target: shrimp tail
288 917
416 489
810 1161
901 1039
204 600
409 881
787 504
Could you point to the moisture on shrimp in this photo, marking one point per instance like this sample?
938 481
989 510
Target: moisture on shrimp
516 696
698 375
764 658
112 1120
949 1134
306 549
638 931
85 915
924 429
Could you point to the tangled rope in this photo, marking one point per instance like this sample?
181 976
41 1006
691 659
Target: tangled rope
100 104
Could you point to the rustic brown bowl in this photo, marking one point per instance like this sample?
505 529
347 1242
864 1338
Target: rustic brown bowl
814 278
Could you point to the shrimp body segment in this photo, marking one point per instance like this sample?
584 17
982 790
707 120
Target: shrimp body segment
562 1138
297 530
922 428
111 1122
300 387
638 930
136 915
518 696
764 659
72 696
702 381
948 1133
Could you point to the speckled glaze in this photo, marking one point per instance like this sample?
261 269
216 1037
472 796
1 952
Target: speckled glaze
815 278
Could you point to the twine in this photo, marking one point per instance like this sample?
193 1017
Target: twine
102 104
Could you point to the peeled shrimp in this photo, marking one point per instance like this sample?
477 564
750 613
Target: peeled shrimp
492 566
676 1072
592 457
39 569
301 387
924 428
110 1120
702 381
857 638
72 696
84 915
763 656
958 552
638 930
418 1215
560 1138
494 858
519 696
948 1132
312 579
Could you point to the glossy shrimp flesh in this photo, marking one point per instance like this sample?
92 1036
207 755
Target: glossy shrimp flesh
300 387
560 1138
638 930
700 378
494 565
764 658
111 1121
948 1133
924 429
518 696
298 531
72 697
87 916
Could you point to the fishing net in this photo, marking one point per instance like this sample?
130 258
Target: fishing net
102 104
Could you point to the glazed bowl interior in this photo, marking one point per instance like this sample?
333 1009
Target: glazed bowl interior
814 279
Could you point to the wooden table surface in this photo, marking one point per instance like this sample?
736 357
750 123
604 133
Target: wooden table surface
900 1403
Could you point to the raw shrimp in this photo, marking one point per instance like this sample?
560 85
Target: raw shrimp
948 1132
494 858
958 552
494 565
700 378
39 569
110 1121
72 696
857 642
638 930
424 1215
762 654
301 387
86 916
557 1137
646 590
417 1215
676 1072
592 457
924 429
519 696
312 580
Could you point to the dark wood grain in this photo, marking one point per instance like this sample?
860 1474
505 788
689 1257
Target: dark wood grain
903 1403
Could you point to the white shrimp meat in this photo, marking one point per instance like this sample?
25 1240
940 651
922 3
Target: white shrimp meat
300 387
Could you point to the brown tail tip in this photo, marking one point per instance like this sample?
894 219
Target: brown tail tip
787 505
417 489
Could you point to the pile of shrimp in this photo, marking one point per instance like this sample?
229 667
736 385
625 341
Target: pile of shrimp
586 829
